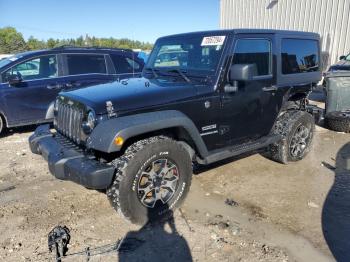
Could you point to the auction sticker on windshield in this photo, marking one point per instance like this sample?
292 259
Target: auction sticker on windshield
213 40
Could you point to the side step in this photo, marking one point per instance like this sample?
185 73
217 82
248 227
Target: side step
236 150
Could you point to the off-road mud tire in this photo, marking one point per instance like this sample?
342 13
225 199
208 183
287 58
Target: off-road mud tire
338 121
286 126
123 193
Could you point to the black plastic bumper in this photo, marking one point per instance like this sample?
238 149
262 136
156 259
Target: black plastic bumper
69 164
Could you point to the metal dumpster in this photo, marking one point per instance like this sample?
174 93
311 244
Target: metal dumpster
338 91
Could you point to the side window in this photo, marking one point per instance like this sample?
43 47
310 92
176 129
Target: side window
37 68
254 51
124 64
85 64
299 56
133 64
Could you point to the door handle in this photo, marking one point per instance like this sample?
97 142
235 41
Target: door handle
54 86
269 88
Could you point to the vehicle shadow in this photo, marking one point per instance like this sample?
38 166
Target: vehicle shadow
156 241
198 169
336 209
18 130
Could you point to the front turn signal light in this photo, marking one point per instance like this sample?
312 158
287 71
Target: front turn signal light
119 141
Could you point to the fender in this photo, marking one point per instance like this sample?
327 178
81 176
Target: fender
295 92
102 137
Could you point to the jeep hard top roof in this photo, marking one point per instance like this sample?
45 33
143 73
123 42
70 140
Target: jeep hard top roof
286 33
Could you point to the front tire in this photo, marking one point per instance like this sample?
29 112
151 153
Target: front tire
297 130
152 178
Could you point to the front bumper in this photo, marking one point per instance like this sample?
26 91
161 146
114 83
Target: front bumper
66 162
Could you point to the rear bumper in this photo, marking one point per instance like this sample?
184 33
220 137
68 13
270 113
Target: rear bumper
68 163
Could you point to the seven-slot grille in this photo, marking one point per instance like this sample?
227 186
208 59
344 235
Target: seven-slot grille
69 120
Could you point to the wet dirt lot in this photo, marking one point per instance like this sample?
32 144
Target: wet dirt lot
246 209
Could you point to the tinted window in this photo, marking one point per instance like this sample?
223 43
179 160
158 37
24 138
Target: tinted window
37 68
124 64
254 51
299 56
86 64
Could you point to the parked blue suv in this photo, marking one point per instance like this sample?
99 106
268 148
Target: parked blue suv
30 81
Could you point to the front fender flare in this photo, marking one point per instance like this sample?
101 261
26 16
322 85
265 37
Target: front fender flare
103 136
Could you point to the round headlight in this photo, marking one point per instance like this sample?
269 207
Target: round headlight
91 120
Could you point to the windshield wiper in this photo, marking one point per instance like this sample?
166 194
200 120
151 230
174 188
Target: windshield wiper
199 78
180 73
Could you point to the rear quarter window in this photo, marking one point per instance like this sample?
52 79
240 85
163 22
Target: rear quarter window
299 56
86 64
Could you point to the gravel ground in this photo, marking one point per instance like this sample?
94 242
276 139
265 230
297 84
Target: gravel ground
246 209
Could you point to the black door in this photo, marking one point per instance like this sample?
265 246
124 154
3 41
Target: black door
249 113
85 69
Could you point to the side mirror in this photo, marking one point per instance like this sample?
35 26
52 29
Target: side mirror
342 57
14 79
242 72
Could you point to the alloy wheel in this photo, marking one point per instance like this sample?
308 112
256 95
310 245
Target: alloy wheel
158 182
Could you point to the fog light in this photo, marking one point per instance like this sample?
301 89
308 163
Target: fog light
118 141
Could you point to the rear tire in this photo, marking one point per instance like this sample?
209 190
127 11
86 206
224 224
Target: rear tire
152 178
297 129
339 121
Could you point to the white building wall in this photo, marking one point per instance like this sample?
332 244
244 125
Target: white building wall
329 18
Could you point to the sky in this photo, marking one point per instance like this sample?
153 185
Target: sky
133 19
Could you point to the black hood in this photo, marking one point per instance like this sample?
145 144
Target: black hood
131 94
341 65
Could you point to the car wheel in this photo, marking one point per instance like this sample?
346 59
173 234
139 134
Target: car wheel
339 121
152 178
297 130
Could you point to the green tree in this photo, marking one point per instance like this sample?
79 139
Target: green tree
11 41
79 41
51 43
35 44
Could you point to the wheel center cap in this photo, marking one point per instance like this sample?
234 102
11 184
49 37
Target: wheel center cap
157 181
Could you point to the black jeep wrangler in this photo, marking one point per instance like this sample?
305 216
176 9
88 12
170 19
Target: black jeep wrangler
204 97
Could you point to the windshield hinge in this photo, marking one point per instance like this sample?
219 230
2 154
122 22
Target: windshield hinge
110 109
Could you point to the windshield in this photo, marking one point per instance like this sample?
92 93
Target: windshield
197 53
347 57
6 61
